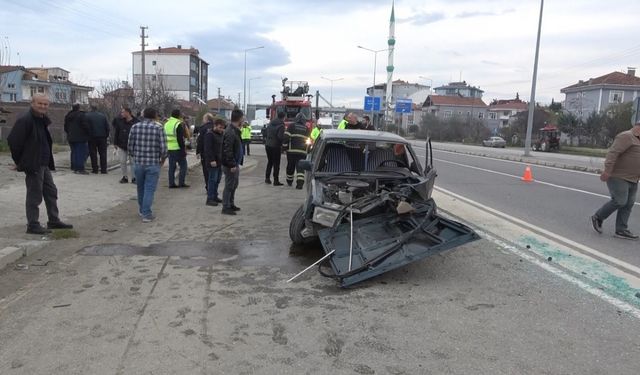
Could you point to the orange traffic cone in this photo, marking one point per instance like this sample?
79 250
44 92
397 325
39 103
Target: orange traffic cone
527 176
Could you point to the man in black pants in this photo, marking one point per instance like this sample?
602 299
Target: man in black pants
30 143
99 127
296 136
273 146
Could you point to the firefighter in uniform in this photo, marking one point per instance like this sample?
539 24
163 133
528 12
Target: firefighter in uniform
296 137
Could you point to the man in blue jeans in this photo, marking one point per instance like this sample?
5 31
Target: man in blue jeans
213 160
147 147
621 173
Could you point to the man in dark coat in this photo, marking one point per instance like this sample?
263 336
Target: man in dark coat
273 146
232 157
213 160
77 130
122 126
30 143
98 143
207 124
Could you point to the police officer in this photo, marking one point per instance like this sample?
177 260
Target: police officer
245 135
343 124
296 137
315 133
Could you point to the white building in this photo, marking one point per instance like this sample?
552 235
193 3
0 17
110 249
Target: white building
180 70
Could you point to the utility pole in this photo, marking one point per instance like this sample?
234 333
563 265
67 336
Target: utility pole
142 82
532 100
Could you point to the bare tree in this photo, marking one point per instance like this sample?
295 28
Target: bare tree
111 96
158 96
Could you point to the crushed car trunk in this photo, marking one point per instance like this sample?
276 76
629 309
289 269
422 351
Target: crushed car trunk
388 241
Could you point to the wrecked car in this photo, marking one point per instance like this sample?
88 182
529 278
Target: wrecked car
368 201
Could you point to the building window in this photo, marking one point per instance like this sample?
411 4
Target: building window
468 114
194 67
616 96
33 90
153 62
480 115
447 114
492 116
11 86
193 81
40 90
13 97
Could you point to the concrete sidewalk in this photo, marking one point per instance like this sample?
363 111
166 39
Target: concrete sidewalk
78 195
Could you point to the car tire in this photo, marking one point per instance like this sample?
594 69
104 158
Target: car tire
296 227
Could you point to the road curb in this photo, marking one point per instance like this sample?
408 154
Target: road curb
13 253
523 160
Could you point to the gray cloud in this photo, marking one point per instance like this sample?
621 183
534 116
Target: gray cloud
422 18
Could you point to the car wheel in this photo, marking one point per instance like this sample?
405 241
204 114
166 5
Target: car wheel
296 227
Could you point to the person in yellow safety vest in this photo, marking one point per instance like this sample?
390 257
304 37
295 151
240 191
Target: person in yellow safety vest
245 135
343 124
296 136
315 133
174 131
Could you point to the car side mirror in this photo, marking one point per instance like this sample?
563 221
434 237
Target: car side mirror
304 165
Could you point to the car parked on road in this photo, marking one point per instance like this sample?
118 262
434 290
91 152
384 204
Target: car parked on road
368 201
494 142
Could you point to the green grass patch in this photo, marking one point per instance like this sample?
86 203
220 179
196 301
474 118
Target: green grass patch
4 146
584 151
62 234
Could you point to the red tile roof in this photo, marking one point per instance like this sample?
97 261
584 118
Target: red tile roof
10 68
453 101
615 78
518 106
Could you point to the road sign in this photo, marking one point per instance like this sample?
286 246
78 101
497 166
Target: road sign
404 106
372 101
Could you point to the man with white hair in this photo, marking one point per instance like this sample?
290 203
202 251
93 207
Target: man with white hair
31 150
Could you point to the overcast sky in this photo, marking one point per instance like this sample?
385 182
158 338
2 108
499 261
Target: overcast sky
487 43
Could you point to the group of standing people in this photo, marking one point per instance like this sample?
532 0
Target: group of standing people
87 134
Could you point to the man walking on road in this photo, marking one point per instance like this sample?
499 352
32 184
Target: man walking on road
213 160
232 157
274 136
174 131
147 146
77 129
122 126
245 134
30 143
207 124
99 127
621 173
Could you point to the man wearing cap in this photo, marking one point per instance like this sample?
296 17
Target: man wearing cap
621 173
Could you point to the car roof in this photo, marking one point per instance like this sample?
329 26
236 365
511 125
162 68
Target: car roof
365 135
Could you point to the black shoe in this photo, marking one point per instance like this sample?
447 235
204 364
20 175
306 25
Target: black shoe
627 235
133 180
299 186
212 203
228 211
267 181
289 183
59 225
124 180
39 229
103 172
94 172
235 208
184 185
82 172
218 200
596 223
277 183
173 186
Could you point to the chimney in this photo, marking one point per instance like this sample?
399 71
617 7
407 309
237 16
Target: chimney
179 46
631 71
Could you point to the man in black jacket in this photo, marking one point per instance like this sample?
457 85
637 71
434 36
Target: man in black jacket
296 137
98 143
77 131
213 160
122 126
232 157
30 143
273 146
207 124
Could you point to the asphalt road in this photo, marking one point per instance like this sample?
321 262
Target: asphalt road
559 200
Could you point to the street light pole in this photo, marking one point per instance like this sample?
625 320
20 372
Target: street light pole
373 88
532 100
249 102
331 92
244 80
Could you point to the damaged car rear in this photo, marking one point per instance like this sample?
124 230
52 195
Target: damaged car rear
369 203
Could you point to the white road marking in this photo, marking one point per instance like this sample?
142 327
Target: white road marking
620 264
535 181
